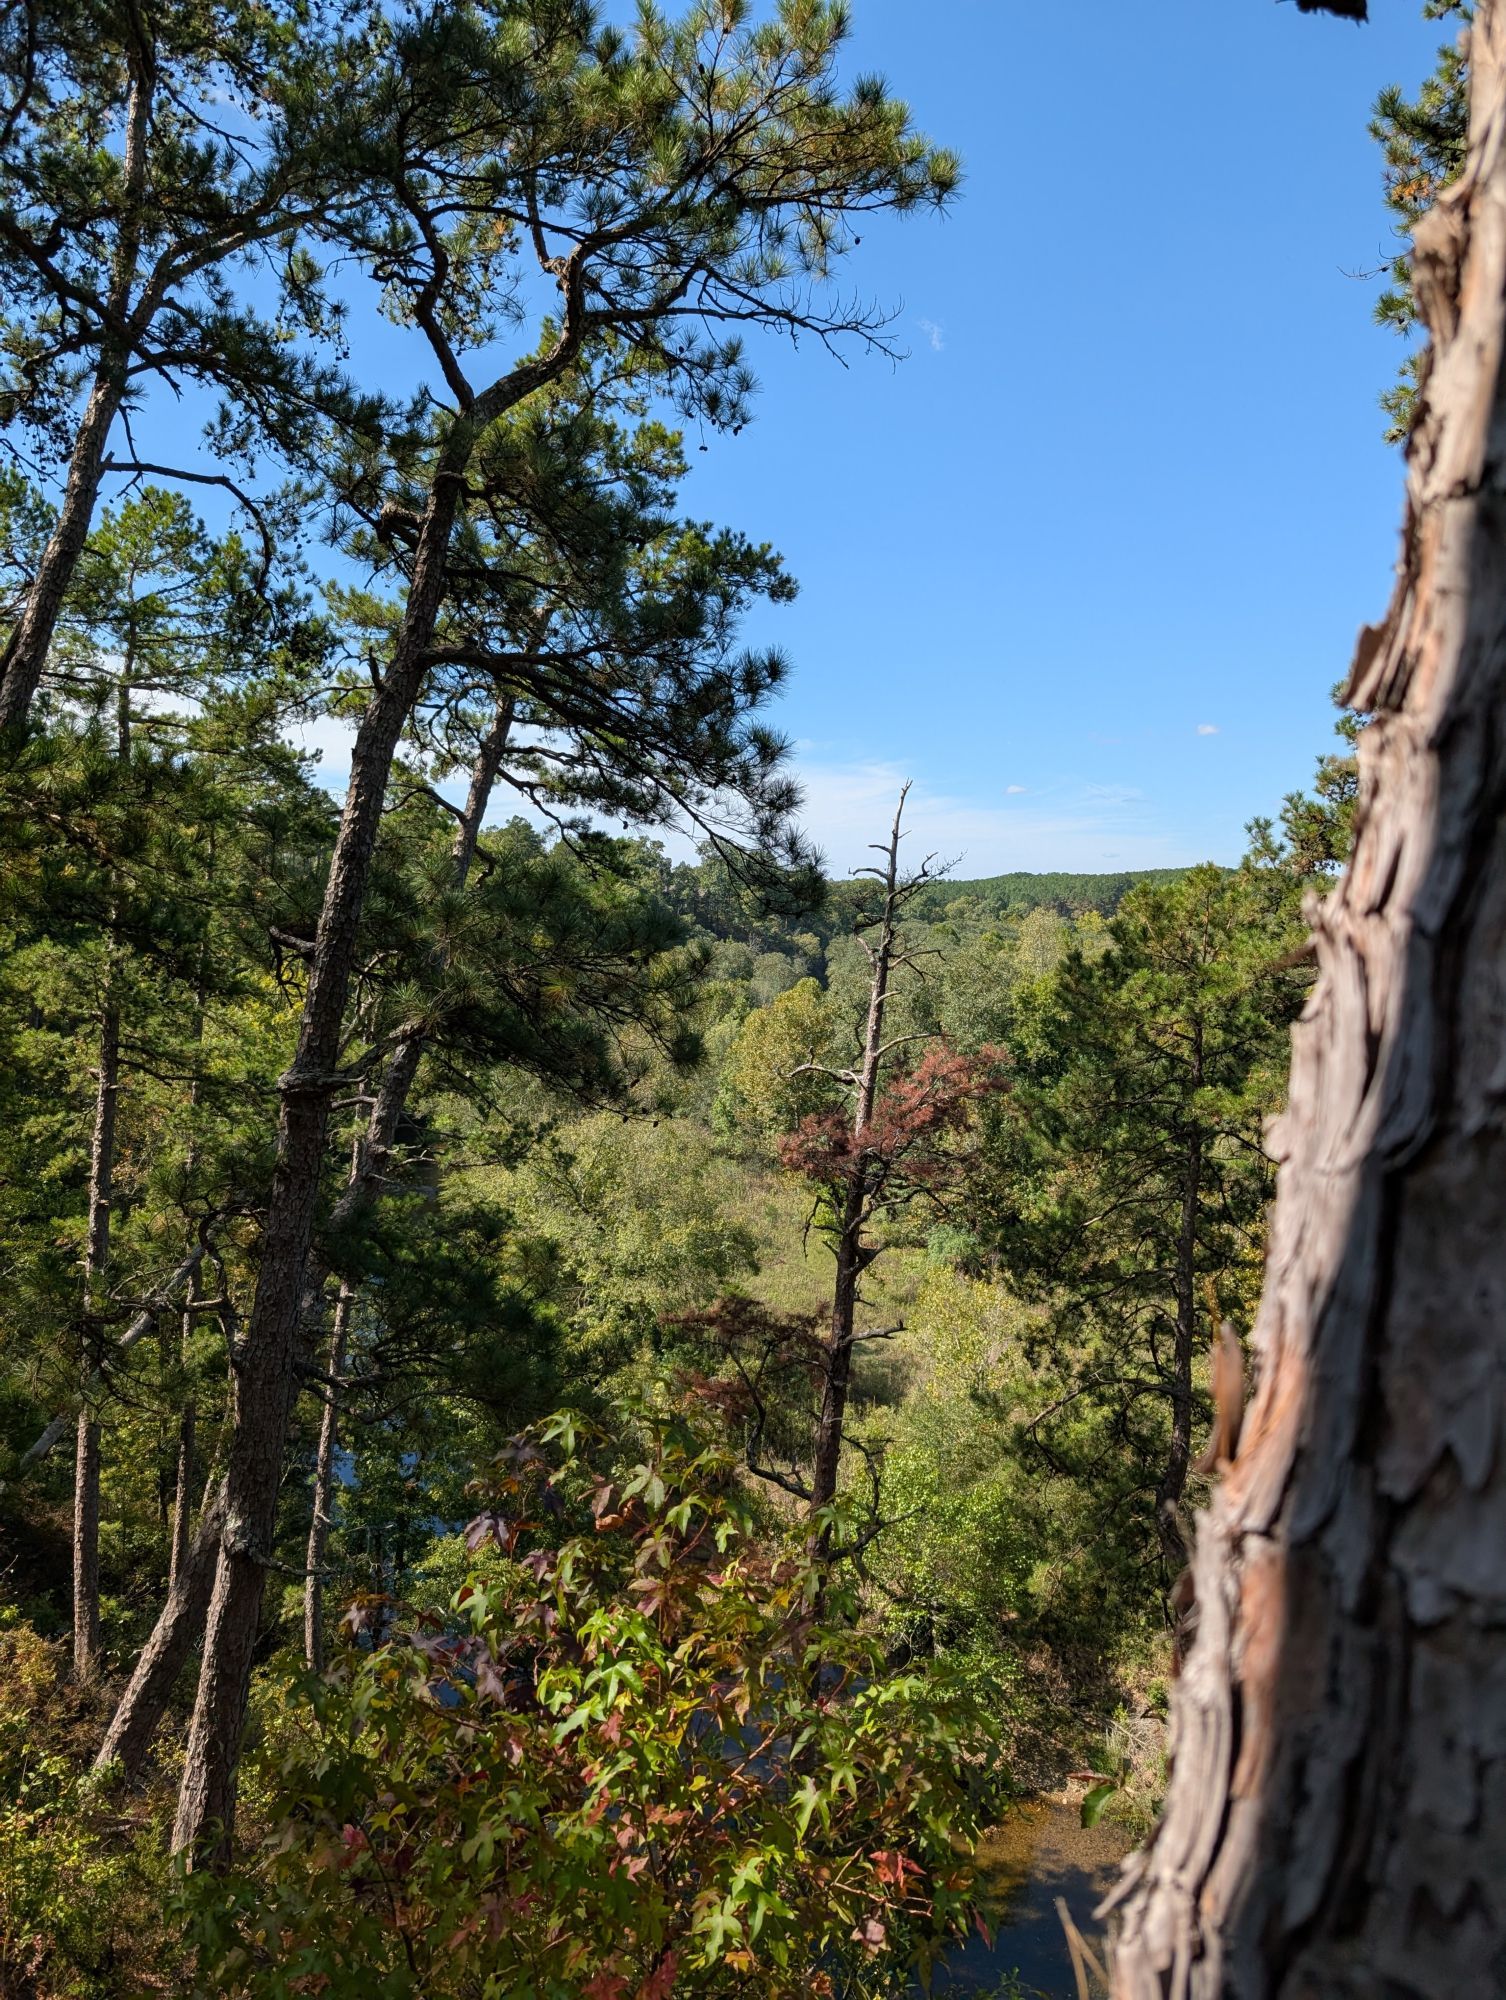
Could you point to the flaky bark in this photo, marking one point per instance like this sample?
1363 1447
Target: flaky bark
1336 1819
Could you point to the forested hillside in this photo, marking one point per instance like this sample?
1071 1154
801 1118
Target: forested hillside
572 1421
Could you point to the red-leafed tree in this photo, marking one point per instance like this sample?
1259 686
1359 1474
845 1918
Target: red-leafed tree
890 1144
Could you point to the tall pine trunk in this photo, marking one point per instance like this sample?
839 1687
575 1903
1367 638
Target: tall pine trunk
264 1373
262 1400
86 1469
366 1170
320 1519
24 656
181 1622
1336 1818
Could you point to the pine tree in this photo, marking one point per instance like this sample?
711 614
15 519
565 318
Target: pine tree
127 824
1423 140
151 157
1130 1178
669 188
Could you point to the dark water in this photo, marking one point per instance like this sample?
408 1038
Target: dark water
1040 1854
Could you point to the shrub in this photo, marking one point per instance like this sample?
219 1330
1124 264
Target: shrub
80 1890
649 1756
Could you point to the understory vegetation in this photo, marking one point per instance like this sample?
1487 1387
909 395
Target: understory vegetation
597 1665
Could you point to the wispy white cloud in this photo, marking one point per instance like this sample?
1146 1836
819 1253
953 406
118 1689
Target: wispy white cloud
1069 826
331 740
1207 729
933 333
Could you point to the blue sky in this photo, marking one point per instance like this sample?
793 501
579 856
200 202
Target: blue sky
1085 565
1129 488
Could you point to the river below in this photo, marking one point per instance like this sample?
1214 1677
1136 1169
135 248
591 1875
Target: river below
1041 1853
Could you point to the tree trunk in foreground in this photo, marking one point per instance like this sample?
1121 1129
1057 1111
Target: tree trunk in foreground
1336 1820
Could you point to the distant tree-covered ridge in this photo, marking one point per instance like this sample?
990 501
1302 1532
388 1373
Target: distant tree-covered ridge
717 902
1019 893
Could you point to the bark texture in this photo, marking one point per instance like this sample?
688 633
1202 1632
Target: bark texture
1336 1819
264 1365
179 1627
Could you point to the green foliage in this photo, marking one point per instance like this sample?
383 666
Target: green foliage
118 254
1019 894
1096 1799
990 1553
1423 140
1130 1179
641 1221
1317 827
964 1556
74 1895
652 1753
763 1087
